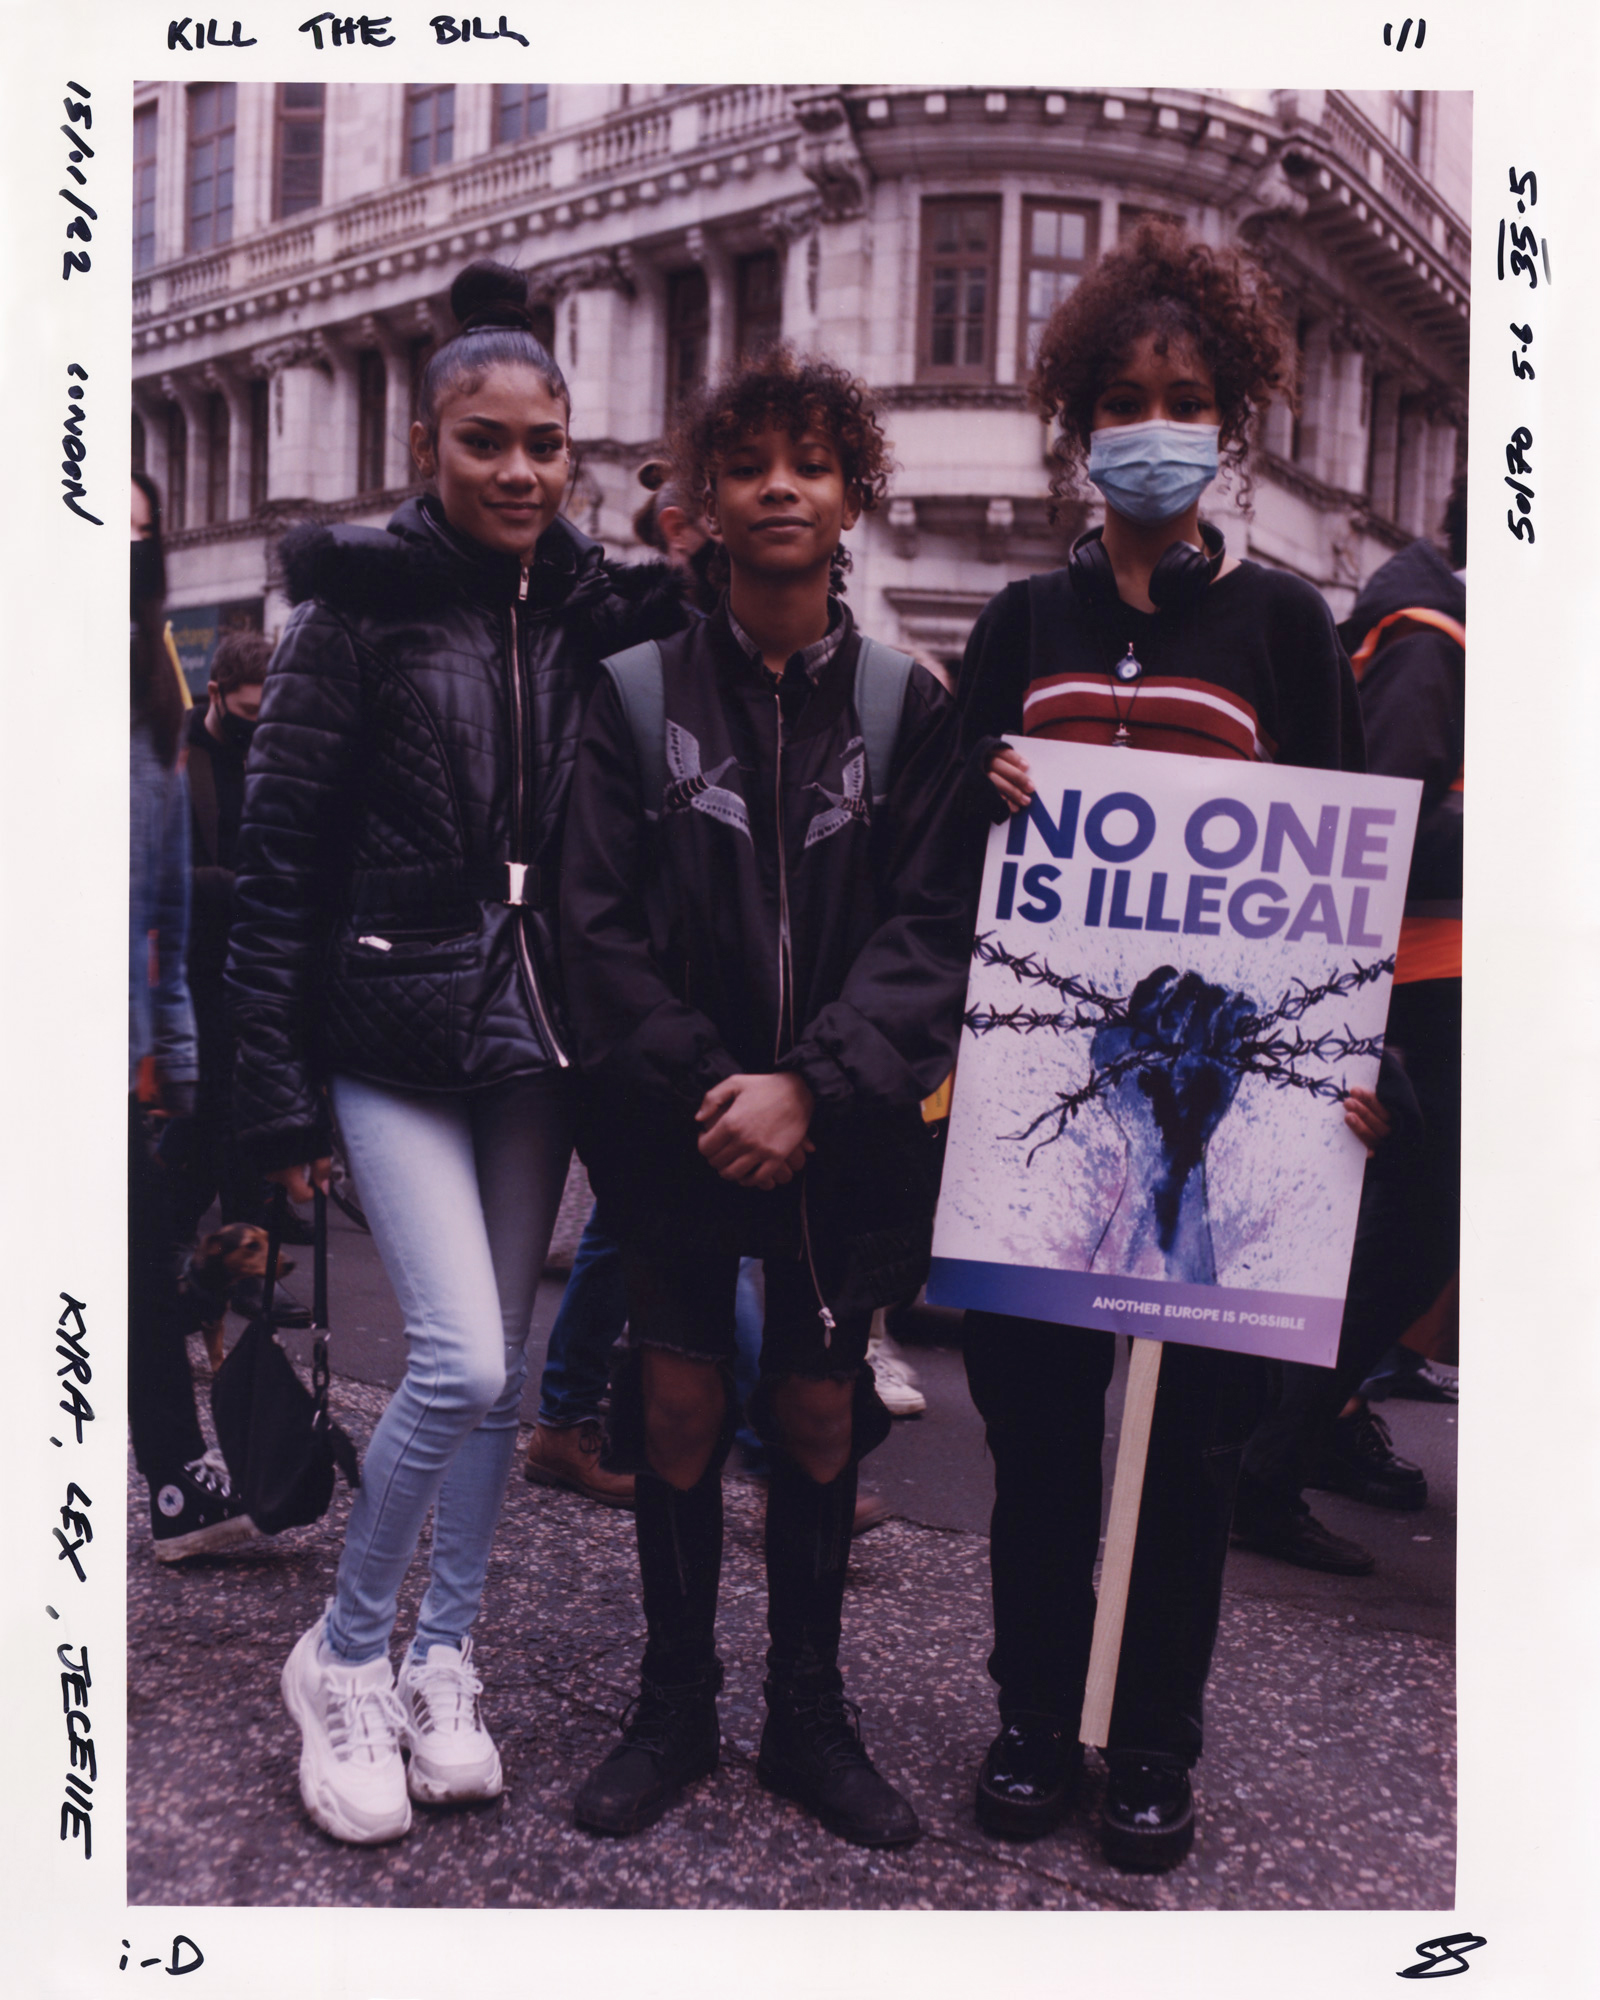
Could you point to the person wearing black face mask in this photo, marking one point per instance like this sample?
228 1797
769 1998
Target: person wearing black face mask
200 1150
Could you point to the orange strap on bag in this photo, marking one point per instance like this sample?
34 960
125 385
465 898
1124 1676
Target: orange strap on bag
1416 614
1430 946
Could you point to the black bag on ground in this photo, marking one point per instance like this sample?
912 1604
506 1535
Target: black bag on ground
279 1441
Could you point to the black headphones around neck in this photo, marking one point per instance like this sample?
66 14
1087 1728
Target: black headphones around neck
1178 580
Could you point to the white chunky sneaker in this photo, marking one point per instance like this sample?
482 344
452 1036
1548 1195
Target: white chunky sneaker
891 1373
352 1777
452 1754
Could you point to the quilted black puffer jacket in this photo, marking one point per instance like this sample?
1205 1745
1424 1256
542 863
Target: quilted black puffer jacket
417 736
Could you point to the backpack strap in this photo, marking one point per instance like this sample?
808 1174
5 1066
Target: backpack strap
1412 614
636 675
882 677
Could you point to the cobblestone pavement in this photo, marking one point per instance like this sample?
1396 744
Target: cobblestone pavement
1328 1781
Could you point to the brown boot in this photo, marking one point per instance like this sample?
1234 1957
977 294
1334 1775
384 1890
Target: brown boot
571 1458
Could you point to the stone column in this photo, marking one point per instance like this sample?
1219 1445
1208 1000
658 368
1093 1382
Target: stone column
792 228
1343 440
336 470
185 393
222 381
1315 395
1411 481
1440 473
1008 277
1383 431
709 254
372 333
300 371
151 406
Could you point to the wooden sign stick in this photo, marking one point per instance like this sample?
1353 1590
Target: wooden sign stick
1127 1485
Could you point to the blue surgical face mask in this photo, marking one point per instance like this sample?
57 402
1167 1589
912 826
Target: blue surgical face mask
1153 471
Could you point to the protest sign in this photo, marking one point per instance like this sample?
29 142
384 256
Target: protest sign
1180 968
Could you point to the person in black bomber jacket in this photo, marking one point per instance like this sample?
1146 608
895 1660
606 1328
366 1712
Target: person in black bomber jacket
765 948
394 966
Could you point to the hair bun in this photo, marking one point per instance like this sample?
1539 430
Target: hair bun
487 294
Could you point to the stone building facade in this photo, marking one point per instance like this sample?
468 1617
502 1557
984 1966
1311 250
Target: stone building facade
294 246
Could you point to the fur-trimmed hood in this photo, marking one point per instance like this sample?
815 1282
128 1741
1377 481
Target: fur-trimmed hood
420 561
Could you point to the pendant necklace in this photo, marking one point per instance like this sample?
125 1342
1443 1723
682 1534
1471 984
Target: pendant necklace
1130 671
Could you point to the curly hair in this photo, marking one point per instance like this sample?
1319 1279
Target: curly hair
1163 283
781 391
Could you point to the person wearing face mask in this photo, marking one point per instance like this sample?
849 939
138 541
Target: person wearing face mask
1156 636
393 967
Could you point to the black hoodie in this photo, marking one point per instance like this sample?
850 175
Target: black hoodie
1413 705
417 735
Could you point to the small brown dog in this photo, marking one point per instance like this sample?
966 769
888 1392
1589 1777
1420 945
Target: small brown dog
219 1262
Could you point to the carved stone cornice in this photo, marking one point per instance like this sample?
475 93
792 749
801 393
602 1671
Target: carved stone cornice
1304 485
951 396
786 221
296 350
1272 197
829 156
605 270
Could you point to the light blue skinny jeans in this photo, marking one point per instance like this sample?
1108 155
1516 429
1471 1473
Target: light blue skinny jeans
461 1192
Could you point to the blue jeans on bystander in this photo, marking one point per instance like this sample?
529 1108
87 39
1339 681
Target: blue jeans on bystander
461 1193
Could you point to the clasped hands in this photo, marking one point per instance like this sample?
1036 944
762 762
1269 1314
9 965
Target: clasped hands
753 1128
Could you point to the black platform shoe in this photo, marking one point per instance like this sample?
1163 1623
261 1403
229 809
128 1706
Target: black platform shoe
811 1752
670 1737
1029 1778
1295 1535
1358 1457
1147 1817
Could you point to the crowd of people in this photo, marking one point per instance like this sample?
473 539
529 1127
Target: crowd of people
509 848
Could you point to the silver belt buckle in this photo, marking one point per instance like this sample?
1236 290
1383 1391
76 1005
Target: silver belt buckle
517 874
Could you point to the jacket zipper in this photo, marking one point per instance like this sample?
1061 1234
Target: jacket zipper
524 955
786 1004
785 960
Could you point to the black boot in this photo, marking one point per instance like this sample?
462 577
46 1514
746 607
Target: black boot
811 1748
669 1735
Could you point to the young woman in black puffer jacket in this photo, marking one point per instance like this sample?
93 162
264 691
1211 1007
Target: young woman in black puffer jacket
393 968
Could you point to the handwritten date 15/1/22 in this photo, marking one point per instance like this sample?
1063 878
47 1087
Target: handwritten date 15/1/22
79 150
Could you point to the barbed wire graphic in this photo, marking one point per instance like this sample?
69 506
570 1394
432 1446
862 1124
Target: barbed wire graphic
1270 1045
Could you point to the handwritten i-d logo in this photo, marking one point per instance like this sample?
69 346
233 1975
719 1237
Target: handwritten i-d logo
1442 1957
1405 36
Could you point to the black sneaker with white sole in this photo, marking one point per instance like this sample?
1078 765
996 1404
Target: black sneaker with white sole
194 1512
